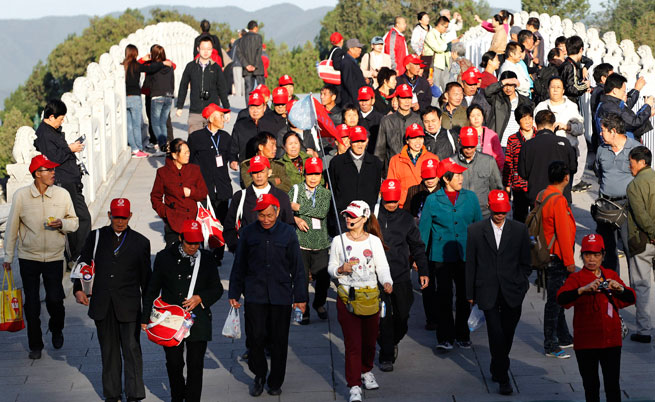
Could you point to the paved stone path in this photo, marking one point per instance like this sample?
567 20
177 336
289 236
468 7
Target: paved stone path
315 370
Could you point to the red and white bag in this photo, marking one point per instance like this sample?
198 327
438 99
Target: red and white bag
327 73
212 230
170 323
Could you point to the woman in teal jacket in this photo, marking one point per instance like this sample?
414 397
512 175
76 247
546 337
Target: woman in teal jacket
443 225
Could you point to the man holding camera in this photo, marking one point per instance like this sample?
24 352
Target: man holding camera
51 142
207 85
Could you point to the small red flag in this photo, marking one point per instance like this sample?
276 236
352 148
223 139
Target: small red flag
325 124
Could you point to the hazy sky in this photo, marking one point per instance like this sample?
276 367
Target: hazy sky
41 8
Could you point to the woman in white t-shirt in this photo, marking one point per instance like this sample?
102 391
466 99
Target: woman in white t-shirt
374 60
569 123
364 265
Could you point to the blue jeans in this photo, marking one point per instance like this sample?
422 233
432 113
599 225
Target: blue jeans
159 110
134 122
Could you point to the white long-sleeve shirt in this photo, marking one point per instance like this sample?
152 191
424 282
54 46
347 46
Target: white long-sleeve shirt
418 36
565 113
368 258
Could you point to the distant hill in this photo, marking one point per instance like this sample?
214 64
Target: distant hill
25 42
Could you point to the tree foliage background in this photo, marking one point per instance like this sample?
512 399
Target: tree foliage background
576 10
630 19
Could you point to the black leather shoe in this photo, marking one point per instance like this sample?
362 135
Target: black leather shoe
257 386
322 313
386 366
505 388
640 338
274 391
57 340
35 354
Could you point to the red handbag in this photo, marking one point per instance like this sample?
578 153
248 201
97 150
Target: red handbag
327 73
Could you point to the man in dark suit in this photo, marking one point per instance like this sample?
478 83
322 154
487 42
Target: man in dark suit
122 273
497 269
269 273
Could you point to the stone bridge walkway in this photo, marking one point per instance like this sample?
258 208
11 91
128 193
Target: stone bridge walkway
315 370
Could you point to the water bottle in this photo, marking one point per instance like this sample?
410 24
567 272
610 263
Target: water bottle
383 310
297 314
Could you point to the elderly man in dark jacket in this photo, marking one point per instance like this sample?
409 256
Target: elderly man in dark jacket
497 269
122 270
249 53
401 235
438 140
420 86
172 276
352 77
246 129
269 273
504 99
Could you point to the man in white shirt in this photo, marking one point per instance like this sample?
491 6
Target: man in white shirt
514 55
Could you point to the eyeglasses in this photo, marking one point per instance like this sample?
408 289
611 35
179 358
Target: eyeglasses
46 170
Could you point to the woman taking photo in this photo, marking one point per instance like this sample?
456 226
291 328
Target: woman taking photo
490 64
488 142
133 70
360 270
162 86
443 226
500 31
172 276
596 295
384 99
178 186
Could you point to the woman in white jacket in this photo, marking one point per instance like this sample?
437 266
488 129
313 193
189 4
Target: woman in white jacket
364 265
420 30
569 123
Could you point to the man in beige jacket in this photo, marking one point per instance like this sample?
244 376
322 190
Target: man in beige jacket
41 214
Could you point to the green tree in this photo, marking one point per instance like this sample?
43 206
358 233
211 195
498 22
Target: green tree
12 120
574 9
628 19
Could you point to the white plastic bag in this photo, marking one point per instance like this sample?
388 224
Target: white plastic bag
232 327
476 318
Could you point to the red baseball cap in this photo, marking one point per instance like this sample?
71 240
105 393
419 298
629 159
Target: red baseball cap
390 190
429 168
285 80
471 76
192 231
211 108
266 200
358 133
499 201
412 58
403 91
448 165
263 89
290 105
468 137
41 161
258 163
255 98
335 38
313 165
365 93
592 243
280 96
413 131
343 130
120 207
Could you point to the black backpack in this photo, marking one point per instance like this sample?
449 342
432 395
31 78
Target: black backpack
541 82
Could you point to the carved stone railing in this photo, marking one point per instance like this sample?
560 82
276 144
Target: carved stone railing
628 61
96 109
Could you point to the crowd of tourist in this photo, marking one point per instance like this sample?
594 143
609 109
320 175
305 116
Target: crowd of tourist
431 156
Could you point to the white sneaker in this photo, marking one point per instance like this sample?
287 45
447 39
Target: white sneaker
369 381
355 394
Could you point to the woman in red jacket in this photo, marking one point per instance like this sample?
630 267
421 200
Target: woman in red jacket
178 186
596 294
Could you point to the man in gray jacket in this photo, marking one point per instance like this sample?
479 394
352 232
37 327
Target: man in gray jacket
249 53
641 238
391 136
481 174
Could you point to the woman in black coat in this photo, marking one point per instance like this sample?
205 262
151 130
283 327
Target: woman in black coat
171 276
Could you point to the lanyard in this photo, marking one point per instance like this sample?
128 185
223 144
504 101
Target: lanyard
120 245
218 140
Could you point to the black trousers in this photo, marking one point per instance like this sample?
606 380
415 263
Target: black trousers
191 389
120 338
611 236
449 329
520 205
249 81
53 273
170 236
430 296
556 330
393 326
610 363
316 262
501 324
268 324
76 239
